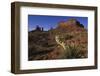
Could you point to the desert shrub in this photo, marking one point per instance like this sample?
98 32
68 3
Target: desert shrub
73 51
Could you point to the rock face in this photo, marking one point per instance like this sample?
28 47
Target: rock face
70 22
67 41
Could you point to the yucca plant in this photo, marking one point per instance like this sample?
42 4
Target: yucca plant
73 51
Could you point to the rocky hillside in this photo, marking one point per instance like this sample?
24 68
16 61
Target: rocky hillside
67 41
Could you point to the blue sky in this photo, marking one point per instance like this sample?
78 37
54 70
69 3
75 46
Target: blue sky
51 21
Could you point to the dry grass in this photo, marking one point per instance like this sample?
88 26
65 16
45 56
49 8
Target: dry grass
74 51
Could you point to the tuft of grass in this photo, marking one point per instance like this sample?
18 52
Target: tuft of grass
73 51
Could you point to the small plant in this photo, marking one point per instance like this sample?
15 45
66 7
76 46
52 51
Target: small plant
73 51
